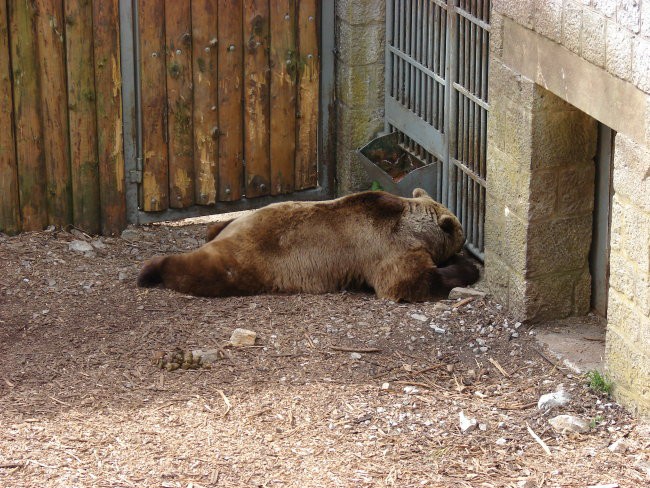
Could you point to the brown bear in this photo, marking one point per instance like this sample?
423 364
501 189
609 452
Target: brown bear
405 249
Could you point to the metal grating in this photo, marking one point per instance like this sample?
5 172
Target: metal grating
436 97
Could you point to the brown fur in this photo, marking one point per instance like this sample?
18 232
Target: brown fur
391 244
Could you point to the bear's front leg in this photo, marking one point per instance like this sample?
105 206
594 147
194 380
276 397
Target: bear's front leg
413 277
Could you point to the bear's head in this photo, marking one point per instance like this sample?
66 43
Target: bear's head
445 238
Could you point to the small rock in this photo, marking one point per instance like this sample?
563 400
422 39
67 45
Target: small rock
130 235
385 386
80 246
466 425
355 355
122 276
619 446
411 390
514 335
465 293
242 337
438 330
420 317
501 442
97 244
569 423
555 399
483 349
206 357
482 427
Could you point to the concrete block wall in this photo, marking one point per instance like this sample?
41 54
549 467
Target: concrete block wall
532 167
360 41
628 315
540 199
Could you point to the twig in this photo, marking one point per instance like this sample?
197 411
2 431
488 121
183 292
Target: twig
59 401
523 406
426 370
354 349
415 383
555 365
463 302
538 440
499 367
11 465
226 401
595 339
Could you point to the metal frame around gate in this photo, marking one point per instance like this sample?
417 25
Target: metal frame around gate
132 120
436 97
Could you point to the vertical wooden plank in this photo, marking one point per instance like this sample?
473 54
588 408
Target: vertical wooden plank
155 170
108 83
307 126
256 98
52 71
81 115
178 29
9 203
204 72
284 73
29 133
230 99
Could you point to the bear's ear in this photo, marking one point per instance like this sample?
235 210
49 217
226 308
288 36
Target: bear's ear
419 192
447 223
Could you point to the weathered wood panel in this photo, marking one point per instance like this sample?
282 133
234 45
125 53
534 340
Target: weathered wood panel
108 82
29 133
256 97
9 203
206 132
307 126
178 34
54 105
82 115
284 72
155 170
230 100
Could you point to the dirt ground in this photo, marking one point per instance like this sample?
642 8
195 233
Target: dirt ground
82 404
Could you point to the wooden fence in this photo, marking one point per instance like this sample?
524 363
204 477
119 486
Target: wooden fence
61 155
209 73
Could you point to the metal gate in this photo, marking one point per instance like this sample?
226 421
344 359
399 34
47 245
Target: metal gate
226 104
436 97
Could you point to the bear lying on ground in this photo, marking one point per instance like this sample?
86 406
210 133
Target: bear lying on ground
405 249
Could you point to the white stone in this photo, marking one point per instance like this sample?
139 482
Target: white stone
465 293
242 337
551 400
466 425
97 244
80 246
385 386
501 442
355 355
206 357
569 423
619 446
420 317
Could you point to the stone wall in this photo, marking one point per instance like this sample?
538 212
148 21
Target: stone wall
360 36
628 315
595 55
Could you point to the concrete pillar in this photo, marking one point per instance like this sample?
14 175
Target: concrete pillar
540 198
360 38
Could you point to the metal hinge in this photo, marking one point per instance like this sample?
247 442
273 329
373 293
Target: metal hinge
135 175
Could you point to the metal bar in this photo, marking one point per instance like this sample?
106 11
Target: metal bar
471 96
130 107
389 80
472 18
416 64
465 169
406 121
327 114
450 109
